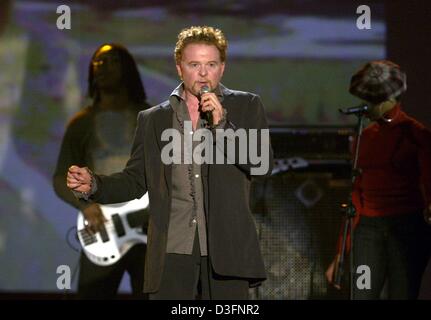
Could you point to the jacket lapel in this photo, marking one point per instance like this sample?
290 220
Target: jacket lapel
226 93
163 121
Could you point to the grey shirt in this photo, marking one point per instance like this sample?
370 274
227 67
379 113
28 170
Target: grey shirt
187 207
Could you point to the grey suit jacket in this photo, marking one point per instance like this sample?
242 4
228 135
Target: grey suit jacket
232 238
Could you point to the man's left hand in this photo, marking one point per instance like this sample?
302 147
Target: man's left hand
210 102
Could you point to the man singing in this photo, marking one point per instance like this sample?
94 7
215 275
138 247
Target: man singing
202 240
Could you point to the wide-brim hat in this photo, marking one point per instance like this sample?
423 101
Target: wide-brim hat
378 81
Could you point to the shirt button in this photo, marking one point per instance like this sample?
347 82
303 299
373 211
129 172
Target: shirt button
196 176
191 132
194 221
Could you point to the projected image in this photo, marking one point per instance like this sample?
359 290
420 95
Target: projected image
298 56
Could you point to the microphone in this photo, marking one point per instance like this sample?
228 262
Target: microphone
208 116
359 109
204 89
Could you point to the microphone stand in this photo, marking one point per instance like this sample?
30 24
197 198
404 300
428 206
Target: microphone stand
350 211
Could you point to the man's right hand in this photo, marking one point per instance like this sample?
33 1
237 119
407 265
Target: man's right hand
330 272
94 218
79 179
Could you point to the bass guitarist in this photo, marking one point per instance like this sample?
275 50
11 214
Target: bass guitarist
99 137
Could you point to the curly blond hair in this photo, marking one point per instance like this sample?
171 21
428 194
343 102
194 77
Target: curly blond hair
200 34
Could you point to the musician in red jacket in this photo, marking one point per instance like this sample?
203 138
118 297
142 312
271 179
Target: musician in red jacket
393 190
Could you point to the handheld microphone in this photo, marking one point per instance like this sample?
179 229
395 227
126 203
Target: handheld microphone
204 89
208 116
360 109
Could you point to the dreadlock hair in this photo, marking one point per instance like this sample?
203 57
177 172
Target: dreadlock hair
130 76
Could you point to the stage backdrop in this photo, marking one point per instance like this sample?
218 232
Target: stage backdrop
297 55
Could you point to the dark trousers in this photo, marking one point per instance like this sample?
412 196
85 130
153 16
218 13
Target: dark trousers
97 282
396 250
425 290
190 277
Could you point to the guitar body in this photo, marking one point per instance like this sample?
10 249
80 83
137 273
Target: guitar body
121 231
